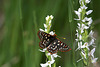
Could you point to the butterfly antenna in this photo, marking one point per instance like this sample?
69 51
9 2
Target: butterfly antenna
61 37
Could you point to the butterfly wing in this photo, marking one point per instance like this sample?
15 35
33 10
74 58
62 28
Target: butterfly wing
53 48
63 47
56 46
45 38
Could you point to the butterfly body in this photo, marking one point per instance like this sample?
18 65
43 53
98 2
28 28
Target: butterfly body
52 44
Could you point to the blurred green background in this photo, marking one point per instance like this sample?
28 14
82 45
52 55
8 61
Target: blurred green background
20 21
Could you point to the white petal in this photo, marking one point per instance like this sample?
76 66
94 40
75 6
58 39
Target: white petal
47 17
91 42
84 54
86 27
48 63
52 33
45 30
84 7
76 30
79 10
89 12
87 1
78 13
48 54
43 50
79 24
91 53
85 45
83 20
51 17
91 35
89 23
94 60
79 45
80 1
88 19
49 22
82 30
80 37
55 55
44 65
79 59
76 40
45 25
41 29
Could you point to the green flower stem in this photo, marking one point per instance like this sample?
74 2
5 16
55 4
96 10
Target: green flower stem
48 24
84 36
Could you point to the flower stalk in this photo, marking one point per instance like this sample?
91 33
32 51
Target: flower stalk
50 61
85 37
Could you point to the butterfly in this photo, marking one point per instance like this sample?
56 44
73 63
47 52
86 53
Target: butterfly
52 44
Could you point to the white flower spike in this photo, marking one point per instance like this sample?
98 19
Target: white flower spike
84 38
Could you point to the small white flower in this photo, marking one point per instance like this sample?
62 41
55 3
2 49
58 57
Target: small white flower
91 42
47 18
89 23
82 27
45 25
76 40
79 46
94 60
88 19
89 12
43 50
51 17
87 1
48 63
41 29
91 35
52 33
55 55
78 12
84 7
91 53
85 46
